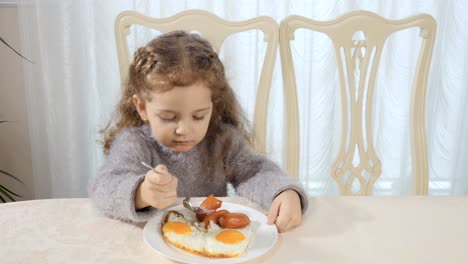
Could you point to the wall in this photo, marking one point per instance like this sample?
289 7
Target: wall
15 154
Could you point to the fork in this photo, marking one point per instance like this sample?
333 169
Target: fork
148 166
187 204
186 200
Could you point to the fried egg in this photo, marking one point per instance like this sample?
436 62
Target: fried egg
182 233
227 243
214 241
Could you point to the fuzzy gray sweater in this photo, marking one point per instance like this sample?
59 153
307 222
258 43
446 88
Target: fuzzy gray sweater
252 176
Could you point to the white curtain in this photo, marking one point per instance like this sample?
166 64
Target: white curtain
75 85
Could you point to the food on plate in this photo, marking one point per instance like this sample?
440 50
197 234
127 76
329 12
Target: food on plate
182 233
211 202
233 220
208 206
214 217
216 234
222 242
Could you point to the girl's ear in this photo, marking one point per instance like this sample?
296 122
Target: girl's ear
140 107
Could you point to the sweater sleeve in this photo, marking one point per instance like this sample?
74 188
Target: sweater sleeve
257 178
114 187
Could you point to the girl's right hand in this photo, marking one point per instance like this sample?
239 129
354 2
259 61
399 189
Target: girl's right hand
159 189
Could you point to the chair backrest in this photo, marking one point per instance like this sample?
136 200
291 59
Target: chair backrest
215 30
356 107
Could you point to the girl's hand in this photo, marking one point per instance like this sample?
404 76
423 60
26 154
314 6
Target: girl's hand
285 211
158 189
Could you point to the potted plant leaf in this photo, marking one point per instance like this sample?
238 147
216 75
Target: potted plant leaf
5 193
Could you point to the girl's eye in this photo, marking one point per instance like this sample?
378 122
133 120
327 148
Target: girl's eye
167 118
198 117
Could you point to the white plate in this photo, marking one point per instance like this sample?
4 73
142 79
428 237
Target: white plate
264 236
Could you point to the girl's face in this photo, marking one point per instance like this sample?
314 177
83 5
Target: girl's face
178 118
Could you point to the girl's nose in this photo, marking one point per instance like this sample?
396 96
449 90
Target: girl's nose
182 128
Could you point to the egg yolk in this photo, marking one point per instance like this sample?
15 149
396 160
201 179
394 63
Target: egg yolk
178 228
230 236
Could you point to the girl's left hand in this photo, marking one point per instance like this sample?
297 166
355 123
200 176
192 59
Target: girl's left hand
285 211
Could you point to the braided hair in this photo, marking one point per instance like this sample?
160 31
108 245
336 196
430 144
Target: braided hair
177 58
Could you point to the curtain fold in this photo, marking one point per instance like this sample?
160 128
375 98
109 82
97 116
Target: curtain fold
73 88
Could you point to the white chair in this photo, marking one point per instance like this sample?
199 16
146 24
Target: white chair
215 30
367 51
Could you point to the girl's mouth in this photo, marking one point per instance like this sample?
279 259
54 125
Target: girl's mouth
180 142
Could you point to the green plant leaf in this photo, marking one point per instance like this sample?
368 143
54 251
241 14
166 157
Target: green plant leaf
6 189
8 174
8 45
7 195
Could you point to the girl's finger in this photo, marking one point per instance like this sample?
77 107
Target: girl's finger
159 178
292 224
283 223
161 168
273 212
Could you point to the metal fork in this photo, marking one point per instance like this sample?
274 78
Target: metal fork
187 204
148 166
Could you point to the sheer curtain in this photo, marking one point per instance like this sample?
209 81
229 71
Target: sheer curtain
74 87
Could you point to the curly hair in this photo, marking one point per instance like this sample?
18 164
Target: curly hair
177 58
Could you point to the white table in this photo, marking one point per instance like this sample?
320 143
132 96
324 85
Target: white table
334 230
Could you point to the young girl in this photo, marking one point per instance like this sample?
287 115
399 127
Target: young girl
179 114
